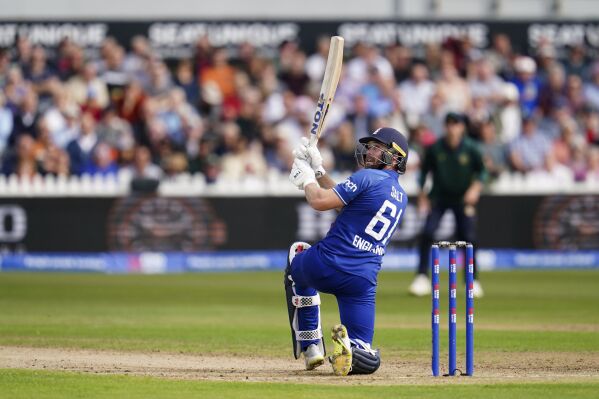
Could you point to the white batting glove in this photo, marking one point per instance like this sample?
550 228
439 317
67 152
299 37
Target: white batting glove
310 153
301 174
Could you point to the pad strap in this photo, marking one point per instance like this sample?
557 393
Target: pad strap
308 335
305 301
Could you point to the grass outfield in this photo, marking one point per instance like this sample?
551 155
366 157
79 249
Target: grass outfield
524 315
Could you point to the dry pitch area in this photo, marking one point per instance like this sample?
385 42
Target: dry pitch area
492 368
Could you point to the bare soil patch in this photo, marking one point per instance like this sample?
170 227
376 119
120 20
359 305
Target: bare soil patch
490 367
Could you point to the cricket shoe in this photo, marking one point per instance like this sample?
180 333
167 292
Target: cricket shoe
313 357
421 286
341 359
477 289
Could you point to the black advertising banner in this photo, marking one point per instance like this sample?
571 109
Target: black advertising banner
176 39
151 223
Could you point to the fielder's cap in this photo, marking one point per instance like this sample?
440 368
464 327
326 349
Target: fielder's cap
454 117
390 137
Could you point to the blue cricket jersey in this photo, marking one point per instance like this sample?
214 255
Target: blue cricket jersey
374 204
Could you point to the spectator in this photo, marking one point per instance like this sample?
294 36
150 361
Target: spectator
116 132
527 83
591 89
221 73
240 161
25 119
6 124
532 150
87 90
576 62
493 151
485 83
81 149
316 63
160 82
360 117
186 80
509 114
295 78
416 92
554 90
344 148
400 58
453 89
501 55
142 167
38 72
590 120
593 165
21 159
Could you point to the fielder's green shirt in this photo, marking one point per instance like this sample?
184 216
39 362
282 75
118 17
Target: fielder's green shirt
453 170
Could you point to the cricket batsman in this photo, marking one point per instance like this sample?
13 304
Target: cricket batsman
347 261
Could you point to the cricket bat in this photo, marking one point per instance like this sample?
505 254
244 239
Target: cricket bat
332 73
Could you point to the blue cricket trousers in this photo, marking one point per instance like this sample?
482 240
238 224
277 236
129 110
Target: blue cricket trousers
355 295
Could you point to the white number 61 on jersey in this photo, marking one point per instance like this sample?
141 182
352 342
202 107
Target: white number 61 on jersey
386 223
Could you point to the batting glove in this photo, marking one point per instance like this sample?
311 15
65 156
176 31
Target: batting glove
310 153
301 174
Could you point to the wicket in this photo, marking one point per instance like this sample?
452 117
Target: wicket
469 270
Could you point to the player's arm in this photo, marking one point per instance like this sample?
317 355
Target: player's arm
472 195
322 199
325 181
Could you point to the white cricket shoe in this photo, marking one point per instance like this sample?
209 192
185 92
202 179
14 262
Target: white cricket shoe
313 357
421 285
341 360
477 289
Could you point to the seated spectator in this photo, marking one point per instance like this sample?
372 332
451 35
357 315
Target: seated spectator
15 88
6 121
81 149
26 117
116 132
142 167
221 73
378 93
554 91
160 82
591 88
316 63
21 159
112 68
240 161
102 162
62 118
344 148
360 117
528 84
485 83
453 89
38 72
531 151
493 151
87 90
593 164
509 114
417 91
295 78
590 123
186 80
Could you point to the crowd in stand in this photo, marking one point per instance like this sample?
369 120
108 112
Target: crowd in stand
236 113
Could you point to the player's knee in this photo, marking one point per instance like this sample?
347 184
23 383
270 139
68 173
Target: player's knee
365 362
296 248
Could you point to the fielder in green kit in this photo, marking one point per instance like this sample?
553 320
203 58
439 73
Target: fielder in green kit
458 172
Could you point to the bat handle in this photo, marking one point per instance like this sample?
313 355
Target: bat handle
313 139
